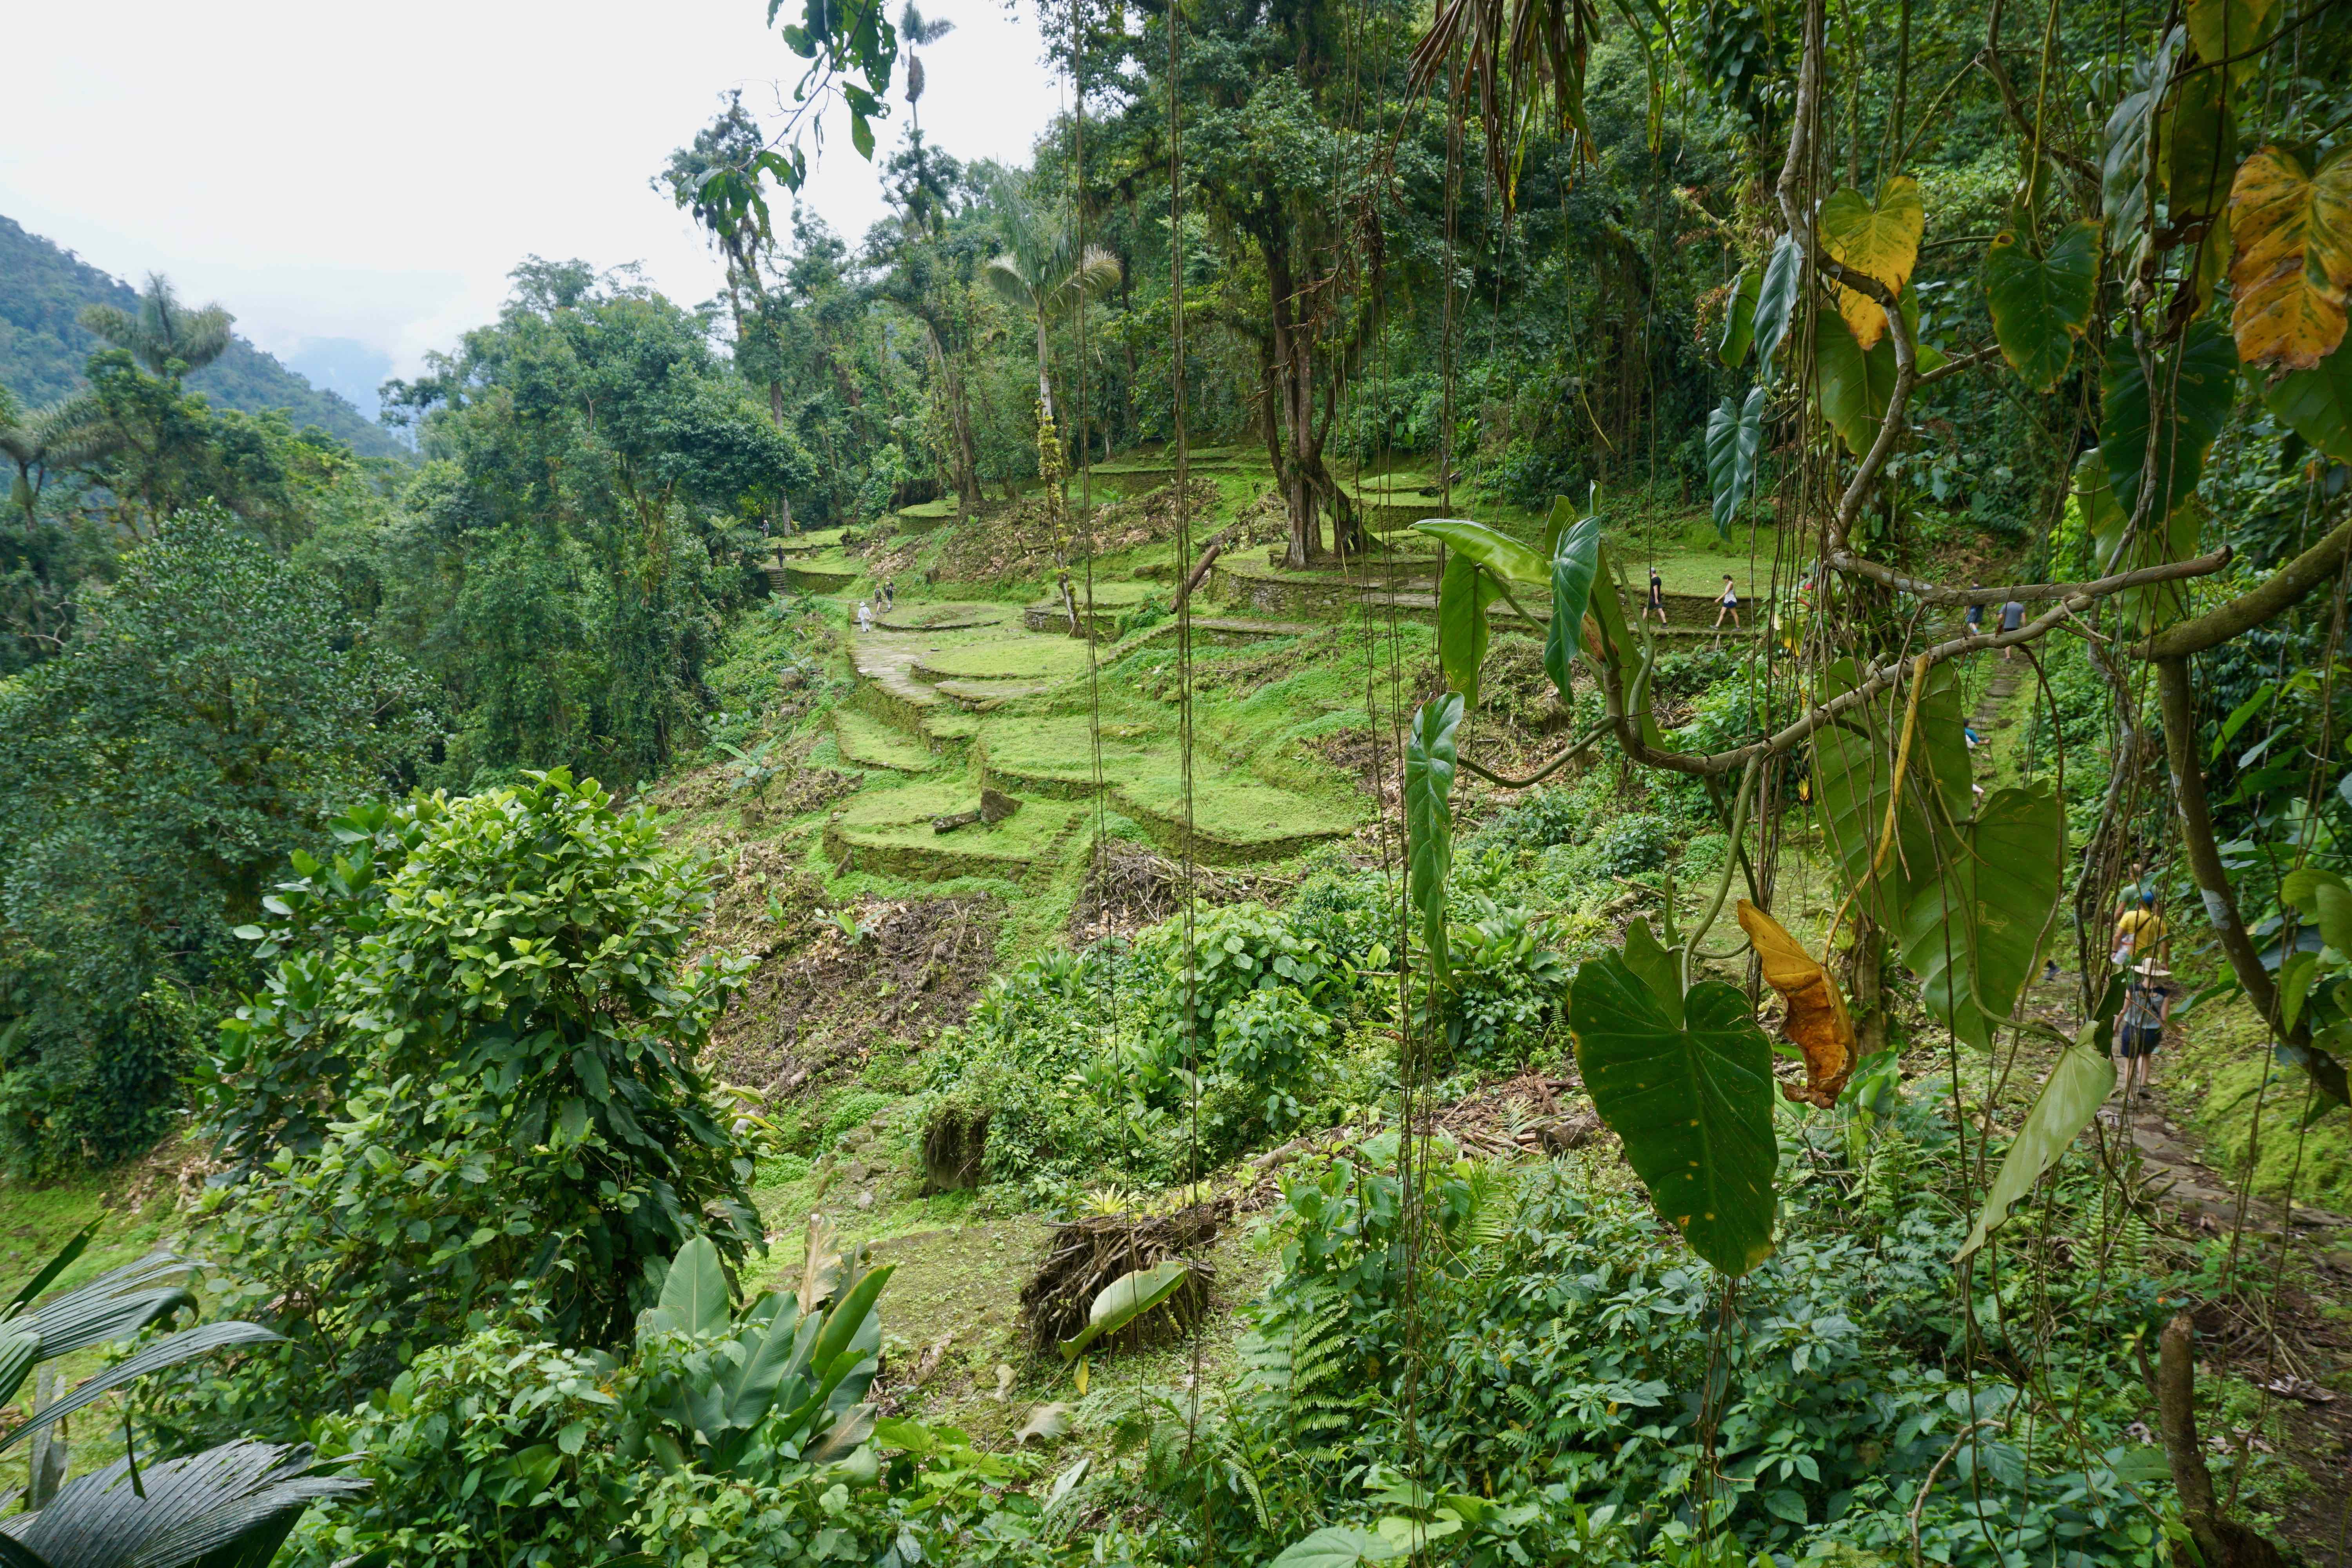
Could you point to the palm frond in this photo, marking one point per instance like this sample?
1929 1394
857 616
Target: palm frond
230 1507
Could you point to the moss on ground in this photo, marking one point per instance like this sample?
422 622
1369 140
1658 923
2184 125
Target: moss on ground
869 743
1023 656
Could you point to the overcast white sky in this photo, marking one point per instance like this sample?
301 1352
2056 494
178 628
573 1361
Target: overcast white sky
337 173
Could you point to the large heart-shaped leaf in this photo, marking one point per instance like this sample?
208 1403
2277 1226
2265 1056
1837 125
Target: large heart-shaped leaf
1854 771
1973 931
1855 385
2232 30
1499 552
1429 761
1575 562
2316 403
1775 303
2127 161
2199 151
1693 1104
2198 382
1464 592
2293 231
1739 318
2041 304
2071 1096
1879 239
1338 1546
1733 436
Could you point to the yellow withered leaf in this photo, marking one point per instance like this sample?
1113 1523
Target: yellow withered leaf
1881 241
1818 1022
2292 262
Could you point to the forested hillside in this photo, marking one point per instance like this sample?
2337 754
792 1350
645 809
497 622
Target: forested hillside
1521 784
43 291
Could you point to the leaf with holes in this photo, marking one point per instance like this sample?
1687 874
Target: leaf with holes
1817 1021
2040 305
2292 265
1775 303
2232 30
1693 1104
1879 240
1575 562
1733 436
2316 403
1855 385
1972 932
2199 380
1429 764
2071 1096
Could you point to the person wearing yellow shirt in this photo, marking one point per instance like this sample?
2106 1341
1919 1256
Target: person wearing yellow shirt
2139 931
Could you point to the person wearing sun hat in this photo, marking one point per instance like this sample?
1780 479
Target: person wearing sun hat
2140 1029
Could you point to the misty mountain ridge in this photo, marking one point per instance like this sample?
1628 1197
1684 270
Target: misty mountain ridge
43 346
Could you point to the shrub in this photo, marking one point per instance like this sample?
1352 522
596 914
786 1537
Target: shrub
1507 986
525 1115
1632 843
1269 1050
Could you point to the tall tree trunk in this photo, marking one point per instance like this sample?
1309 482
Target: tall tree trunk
966 450
1294 390
1044 381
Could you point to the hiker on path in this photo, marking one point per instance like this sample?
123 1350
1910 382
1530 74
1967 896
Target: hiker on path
890 597
865 617
1728 603
2012 616
1657 602
2139 930
2139 1029
1976 614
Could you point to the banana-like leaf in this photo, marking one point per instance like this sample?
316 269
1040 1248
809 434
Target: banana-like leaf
1464 592
694 1294
822 1265
1505 557
2199 381
169 1351
228 1507
1853 768
2076 1087
1739 318
2040 305
1046 1423
1126 1298
847 1319
1733 436
764 1368
2316 403
1972 936
1575 562
1429 763
1694 1104
1775 303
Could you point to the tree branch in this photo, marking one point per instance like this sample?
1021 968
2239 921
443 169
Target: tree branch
2289 583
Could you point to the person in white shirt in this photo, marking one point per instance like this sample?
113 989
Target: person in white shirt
865 617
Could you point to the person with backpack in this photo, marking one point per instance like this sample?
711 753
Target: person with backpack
2140 1029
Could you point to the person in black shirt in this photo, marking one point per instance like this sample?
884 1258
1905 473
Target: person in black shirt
1657 602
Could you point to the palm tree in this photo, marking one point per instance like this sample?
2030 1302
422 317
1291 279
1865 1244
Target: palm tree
164 331
916 32
1041 270
62 435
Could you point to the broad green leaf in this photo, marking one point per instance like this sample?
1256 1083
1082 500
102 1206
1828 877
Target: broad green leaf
1564 515
2316 404
1635 656
2324 900
1337 1546
1692 1103
1739 318
1732 438
1499 552
1775 303
1855 386
2232 30
1853 768
1880 240
2076 1090
1574 565
1429 817
694 1294
2198 382
1656 968
2295 978
2109 526
1126 1298
1972 933
2041 305
2293 234
1464 592
2201 147
846 1320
